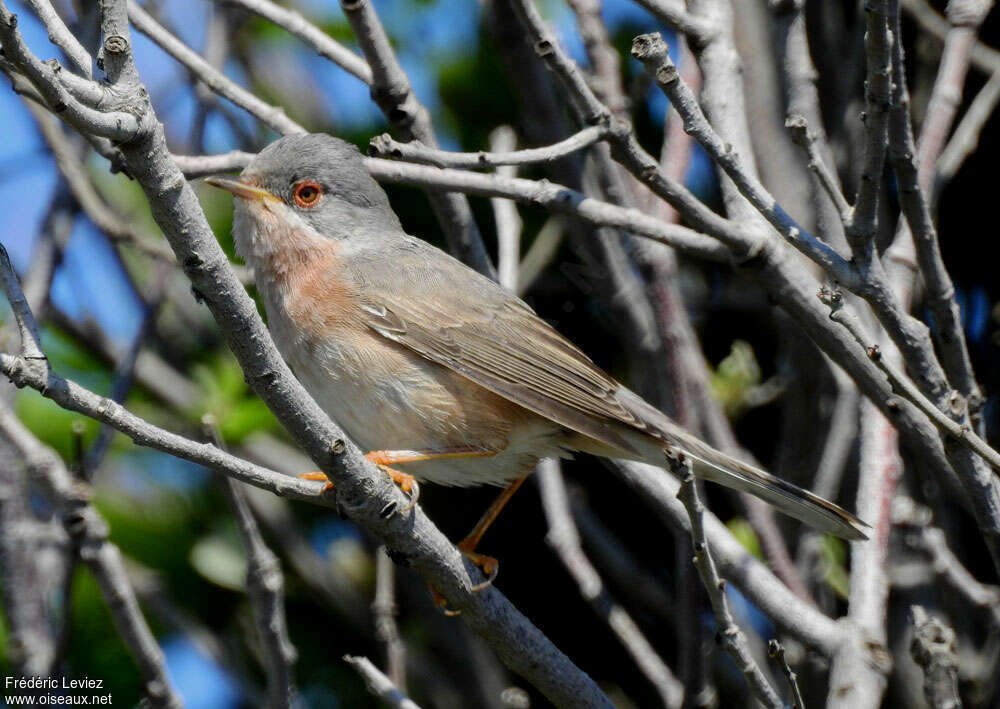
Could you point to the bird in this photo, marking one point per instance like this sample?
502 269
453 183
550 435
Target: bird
439 372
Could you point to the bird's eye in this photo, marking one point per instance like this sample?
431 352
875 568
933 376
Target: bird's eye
307 194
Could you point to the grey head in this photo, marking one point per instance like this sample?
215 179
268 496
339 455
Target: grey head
319 179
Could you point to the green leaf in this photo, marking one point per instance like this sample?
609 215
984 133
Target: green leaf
735 376
746 536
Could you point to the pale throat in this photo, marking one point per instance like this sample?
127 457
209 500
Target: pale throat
274 241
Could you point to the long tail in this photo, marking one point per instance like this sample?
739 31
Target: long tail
718 467
792 500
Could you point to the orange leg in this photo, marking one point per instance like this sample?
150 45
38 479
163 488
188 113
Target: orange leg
488 564
467 546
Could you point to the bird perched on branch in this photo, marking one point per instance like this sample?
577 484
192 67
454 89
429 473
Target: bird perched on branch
438 371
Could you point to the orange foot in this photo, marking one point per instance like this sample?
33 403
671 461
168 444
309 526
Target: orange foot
407 483
489 566
318 476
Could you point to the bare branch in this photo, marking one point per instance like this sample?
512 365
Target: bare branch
384 613
651 50
265 586
383 146
565 542
933 648
798 618
966 136
309 33
90 533
31 339
878 53
392 92
505 215
673 14
60 36
202 165
776 651
380 685
46 78
799 128
914 167
273 116
905 387
733 639
552 197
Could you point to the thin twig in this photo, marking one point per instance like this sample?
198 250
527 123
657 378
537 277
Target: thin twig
49 79
273 116
323 43
392 92
799 619
565 542
776 651
966 136
380 685
265 586
914 168
505 215
60 36
806 139
878 55
729 633
904 386
651 50
383 146
384 613
31 339
89 533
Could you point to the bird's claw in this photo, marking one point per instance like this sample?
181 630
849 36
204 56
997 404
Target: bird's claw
318 476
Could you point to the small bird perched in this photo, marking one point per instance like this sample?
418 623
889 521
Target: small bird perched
433 367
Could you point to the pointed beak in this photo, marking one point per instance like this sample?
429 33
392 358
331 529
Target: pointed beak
242 188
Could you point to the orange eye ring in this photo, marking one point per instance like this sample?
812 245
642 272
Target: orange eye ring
307 194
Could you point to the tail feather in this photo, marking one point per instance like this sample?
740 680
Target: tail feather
788 498
711 464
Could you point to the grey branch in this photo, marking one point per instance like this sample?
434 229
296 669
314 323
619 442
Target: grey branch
384 614
309 33
776 651
505 215
553 197
380 685
564 540
933 648
46 79
265 586
384 146
966 136
905 387
799 128
651 50
794 616
878 65
31 339
733 639
90 533
392 92
60 36
272 116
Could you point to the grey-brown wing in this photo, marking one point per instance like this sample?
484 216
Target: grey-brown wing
501 344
